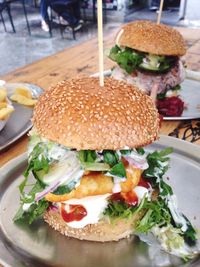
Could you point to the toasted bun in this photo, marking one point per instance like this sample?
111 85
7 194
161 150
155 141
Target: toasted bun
103 231
149 37
80 114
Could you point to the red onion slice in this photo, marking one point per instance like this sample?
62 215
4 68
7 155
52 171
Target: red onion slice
56 183
139 163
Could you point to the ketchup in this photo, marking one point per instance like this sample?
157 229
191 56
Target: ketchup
130 198
76 213
144 183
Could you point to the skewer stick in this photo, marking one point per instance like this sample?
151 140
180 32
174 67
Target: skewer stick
160 11
100 41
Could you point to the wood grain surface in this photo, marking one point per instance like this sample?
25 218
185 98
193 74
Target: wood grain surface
82 60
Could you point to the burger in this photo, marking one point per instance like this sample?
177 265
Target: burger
148 56
92 179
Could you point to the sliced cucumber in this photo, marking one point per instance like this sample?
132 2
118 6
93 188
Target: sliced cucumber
148 67
96 166
57 171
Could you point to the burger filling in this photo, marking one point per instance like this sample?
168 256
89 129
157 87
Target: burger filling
158 76
88 186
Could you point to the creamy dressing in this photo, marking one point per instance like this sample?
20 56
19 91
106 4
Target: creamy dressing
172 242
118 36
95 205
26 206
117 181
141 192
177 216
58 152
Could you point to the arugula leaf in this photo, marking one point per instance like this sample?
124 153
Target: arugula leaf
128 59
165 189
113 52
157 214
119 209
35 211
118 170
140 150
87 155
110 157
161 96
176 88
126 151
30 197
158 163
61 190
37 162
190 236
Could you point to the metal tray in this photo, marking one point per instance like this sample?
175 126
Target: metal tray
20 120
190 93
39 245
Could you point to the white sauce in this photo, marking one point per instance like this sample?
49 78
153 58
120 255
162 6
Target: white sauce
118 36
58 153
177 216
26 206
116 188
141 192
94 205
117 181
167 237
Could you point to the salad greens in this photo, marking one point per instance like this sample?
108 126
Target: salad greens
107 160
127 59
130 60
34 210
157 213
162 96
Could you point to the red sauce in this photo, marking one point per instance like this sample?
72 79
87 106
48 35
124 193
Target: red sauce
76 213
130 198
117 197
144 183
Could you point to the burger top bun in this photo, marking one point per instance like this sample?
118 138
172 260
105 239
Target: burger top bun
149 37
80 114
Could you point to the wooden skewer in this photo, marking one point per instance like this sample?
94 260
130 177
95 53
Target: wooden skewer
100 41
160 11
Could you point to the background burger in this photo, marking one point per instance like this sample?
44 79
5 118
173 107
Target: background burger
148 56
92 178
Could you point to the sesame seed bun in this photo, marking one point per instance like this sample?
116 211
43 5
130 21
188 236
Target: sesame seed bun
102 231
149 37
80 114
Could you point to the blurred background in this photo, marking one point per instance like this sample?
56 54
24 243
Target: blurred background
33 29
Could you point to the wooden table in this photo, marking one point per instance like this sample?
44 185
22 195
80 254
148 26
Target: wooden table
82 60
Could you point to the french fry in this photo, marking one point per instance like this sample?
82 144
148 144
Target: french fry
5 112
3 94
23 91
23 100
3 105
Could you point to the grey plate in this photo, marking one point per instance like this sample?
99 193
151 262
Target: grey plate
190 93
39 245
19 122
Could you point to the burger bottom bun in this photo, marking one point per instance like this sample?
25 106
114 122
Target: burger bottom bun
103 231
